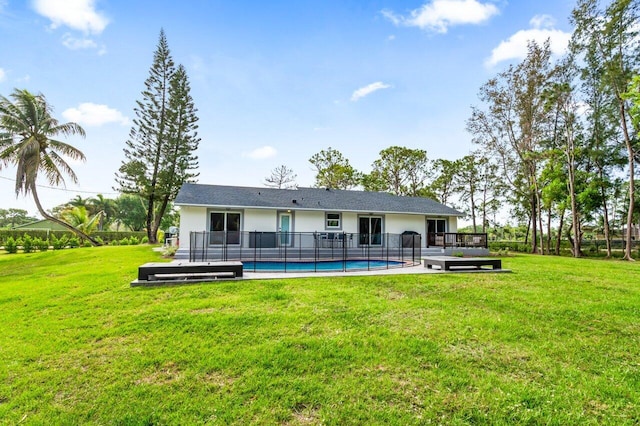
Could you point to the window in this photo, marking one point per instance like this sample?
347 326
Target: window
332 221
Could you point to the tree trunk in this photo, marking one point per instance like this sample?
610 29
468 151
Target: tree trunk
534 225
559 239
631 164
47 216
548 239
607 233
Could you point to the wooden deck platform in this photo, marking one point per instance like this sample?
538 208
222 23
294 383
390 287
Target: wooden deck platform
448 263
180 272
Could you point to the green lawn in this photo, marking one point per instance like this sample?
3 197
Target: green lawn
555 342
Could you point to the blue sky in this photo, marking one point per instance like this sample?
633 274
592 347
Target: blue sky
274 82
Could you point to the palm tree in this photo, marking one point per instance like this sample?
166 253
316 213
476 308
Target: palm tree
105 206
80 219
26 132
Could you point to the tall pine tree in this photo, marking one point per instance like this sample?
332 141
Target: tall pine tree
159 156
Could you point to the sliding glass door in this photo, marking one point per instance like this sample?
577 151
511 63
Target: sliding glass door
370 230
225 228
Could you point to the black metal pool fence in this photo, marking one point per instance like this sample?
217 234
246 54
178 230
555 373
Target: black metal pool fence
389 250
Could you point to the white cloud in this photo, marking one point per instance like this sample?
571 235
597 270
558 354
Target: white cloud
439 15
515 47
3 75
73 43
367 90
91 114
261 153
76 14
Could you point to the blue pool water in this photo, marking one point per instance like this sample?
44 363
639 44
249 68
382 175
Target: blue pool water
334 265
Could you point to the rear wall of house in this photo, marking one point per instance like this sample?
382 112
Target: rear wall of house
191 219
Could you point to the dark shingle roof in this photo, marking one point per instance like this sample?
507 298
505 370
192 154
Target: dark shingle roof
308 199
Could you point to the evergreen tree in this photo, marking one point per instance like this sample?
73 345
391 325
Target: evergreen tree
281 177
333 170
159 156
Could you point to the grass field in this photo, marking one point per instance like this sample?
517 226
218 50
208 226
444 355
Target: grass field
555 342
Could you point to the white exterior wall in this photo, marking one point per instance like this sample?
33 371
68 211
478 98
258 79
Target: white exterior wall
453 224
308 221
398 223
191 219
259 220
350 222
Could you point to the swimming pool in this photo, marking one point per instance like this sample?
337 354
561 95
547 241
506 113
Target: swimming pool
329 265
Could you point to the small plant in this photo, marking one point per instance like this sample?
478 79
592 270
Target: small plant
114 243
74 242
41 244
124 241
27 243
99 240
457 254
11 246
59 243
169 251
87 243
133 241
144 240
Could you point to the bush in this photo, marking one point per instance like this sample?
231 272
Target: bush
133 241
124 242
87 243
99 240
144 240
160 236
40 244
27 243
114 243
59 243
169 251
74 242
10 245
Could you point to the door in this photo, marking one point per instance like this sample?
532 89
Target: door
224 228
284 227
370 230
435 232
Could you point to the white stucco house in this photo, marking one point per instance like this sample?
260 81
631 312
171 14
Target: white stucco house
235 213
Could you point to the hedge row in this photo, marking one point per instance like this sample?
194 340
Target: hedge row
43 234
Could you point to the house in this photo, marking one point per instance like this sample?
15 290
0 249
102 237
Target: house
236 216
41 225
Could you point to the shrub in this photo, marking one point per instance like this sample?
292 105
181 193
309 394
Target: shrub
27 243
99 240
169 251
124 242
114 243
160 236
87 243
144 240
74 242
134 241
59 243
10 245
41 245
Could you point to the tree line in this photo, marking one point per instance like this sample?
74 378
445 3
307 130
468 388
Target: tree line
556 139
